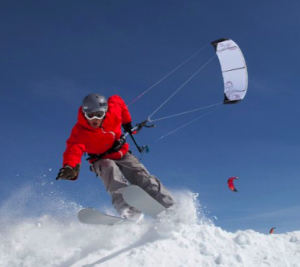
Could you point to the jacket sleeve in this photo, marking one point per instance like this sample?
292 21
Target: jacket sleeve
126 117
74 151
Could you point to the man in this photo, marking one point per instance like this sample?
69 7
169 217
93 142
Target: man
98 132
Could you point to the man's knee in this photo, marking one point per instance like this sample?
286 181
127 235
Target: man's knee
152 185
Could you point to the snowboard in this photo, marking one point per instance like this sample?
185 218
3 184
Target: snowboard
92 216
142 201
133 196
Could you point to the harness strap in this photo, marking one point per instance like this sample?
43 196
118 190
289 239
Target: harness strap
117 145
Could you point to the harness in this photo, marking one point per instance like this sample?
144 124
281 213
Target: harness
117 145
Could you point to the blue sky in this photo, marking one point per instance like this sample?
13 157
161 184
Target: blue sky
53 53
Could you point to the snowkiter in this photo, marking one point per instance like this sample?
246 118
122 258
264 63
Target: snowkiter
98 133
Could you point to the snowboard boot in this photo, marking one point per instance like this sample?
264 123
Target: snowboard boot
132 214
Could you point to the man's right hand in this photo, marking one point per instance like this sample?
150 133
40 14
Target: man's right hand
68 173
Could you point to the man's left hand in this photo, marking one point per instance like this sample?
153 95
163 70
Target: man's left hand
128 128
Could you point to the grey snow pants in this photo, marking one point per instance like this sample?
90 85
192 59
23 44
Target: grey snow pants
116 174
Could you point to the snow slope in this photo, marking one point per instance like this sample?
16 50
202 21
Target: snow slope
58 239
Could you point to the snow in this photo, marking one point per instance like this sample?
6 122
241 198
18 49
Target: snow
188 238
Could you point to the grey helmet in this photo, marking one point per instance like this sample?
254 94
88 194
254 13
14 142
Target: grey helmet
94 103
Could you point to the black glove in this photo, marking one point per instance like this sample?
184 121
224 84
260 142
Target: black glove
128 128
68 172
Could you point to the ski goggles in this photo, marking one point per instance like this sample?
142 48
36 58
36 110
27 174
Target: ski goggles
95 115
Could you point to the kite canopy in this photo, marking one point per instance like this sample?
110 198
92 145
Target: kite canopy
272 230
234 70
231 184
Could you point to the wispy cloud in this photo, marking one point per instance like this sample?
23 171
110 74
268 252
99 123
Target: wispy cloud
58 88
292 212
68 90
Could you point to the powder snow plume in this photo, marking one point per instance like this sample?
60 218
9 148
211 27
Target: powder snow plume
55 238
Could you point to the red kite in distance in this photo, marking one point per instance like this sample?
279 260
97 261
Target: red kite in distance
231 184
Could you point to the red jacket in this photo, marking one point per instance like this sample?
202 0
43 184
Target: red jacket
85 139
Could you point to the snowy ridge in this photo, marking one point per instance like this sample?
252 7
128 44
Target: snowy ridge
62 241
